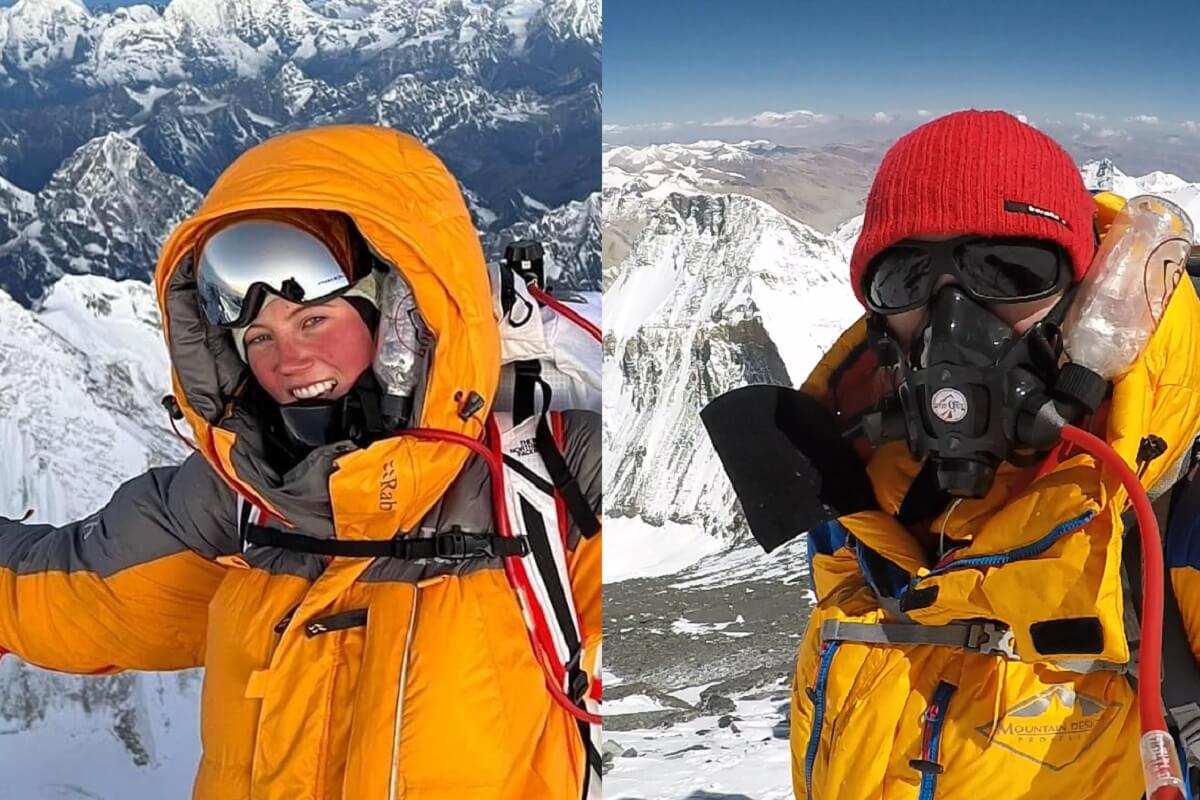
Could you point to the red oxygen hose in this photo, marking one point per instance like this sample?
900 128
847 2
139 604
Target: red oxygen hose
547 299
1159 760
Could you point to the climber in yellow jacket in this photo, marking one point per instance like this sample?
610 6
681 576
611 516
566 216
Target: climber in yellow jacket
332 670
970 637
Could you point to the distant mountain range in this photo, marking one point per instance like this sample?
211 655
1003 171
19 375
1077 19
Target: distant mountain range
505 91
713 282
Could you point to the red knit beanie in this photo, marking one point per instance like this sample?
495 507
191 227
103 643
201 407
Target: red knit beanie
976 172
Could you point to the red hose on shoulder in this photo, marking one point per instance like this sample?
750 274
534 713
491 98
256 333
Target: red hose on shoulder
548 300
1162 763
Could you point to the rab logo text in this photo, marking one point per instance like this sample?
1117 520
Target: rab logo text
387 487
1053 727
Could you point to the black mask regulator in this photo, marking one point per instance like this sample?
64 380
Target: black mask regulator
971 393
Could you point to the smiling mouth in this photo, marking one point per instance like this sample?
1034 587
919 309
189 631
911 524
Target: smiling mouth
314 390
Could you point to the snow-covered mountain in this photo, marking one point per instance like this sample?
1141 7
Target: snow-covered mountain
719 291
714 291
79 414
42 37
105 211
822 186
81 377
1104 175
505 91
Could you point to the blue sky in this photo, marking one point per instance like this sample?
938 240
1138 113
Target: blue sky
1121 68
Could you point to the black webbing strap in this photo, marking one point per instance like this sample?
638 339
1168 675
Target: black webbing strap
577 679
594 759
526 377
543 558
508 290
923 500
454 545
565 482
525 472
245 509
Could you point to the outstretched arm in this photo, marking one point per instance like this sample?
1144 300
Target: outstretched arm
128 587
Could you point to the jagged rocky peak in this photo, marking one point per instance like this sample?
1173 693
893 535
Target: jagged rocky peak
1101 174
238 17
577 18
36 34
102 166
705 212
14 199
715 292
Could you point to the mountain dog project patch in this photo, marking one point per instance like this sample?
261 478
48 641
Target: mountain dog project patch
1053 727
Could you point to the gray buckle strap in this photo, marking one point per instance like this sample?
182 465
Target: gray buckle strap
1187 718
986 638
981 637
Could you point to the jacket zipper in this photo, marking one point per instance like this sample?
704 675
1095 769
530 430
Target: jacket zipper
818 718
1027 551
931 741
394 775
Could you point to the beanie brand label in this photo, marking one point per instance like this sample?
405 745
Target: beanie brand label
1026 208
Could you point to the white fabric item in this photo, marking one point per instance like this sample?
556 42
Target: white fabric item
571 359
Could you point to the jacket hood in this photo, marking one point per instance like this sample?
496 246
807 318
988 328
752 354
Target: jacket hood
410 212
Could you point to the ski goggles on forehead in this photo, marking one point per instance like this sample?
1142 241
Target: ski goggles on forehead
989 270
242 263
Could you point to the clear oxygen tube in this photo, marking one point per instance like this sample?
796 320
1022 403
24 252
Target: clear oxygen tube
401 351
1118 307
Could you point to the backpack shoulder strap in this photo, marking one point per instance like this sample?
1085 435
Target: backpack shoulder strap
551 443
535 508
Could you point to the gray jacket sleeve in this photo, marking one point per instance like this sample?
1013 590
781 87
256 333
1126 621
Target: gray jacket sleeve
126 588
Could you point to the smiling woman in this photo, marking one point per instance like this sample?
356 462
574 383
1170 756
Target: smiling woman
358 584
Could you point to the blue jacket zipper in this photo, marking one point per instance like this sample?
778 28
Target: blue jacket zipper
1028 551
818 720
935 718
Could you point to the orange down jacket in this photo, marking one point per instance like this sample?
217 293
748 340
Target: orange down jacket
421 683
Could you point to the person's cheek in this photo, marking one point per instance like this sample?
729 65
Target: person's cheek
905 325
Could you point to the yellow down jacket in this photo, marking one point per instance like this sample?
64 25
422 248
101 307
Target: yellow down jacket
325 678
1040 561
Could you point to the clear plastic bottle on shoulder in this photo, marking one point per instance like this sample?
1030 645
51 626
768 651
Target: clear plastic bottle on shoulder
1124 295
402 349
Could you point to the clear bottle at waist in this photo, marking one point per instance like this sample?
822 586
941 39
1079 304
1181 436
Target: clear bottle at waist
1125 293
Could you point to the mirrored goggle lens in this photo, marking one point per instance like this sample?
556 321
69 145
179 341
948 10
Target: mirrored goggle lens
899 278
263 256
1009 272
